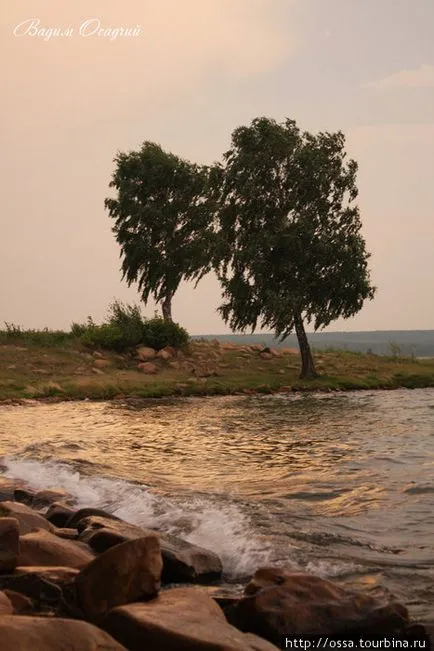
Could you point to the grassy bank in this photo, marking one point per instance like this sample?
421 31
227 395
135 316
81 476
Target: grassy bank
33 369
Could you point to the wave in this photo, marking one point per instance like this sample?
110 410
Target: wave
220 526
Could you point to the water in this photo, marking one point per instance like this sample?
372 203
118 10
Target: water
338 484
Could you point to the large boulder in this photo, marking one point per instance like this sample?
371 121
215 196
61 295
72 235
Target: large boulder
59 514
279 602
179 619
21 633
145 354
28 519
46 588
182 561
123 574
9 544
75 519
44 548
50 496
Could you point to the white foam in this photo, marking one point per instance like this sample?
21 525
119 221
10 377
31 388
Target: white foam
215 524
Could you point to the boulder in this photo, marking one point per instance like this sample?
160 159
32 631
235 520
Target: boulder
278 601
59 514
7 489
145 354
51 496
9 544
67 534
6 607
79 515
20 603
164 354
43 548
24 495
182 561
123 574
44 587
28 519
148 368
22 633
179 619
185 562
102 363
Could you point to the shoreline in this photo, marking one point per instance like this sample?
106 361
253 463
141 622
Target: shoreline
57 399
210 368
62 565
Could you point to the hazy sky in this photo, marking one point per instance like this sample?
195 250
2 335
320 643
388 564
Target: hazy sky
194 71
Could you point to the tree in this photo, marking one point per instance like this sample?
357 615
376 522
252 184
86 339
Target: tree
160 221
289 247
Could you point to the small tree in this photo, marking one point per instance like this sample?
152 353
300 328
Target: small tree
289 244
160 221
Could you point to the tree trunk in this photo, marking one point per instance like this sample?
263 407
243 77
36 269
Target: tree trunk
166 307
307 364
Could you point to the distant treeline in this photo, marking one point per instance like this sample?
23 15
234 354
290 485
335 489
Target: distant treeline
418 343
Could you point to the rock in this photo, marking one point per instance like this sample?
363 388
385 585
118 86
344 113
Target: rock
185 562
20 603
266 355
7 489
28 519
45 587
148 368
98 371
9 544
179 619
164 354
182 561
51 496
278 601
102 363
42 548
6 607
123 574
23 633
59 514
175 365
97 355
66 534
24 496
144 353
81 514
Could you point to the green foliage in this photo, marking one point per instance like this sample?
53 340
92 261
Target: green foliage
159 333
126 328
15 334
159 220
289 247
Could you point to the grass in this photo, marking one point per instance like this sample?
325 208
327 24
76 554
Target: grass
46 365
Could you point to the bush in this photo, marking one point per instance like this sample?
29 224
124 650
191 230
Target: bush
104 336
159 333
126 328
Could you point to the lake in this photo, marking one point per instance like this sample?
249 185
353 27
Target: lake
341 485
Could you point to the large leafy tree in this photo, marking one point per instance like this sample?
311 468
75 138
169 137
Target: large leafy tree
159 221
290 251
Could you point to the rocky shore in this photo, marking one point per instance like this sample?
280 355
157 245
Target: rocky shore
82 579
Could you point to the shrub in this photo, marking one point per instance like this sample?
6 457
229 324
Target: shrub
125 329
129 321
104 336
159 333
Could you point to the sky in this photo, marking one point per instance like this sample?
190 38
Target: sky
185 74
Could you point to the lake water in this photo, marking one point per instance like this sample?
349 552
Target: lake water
341 485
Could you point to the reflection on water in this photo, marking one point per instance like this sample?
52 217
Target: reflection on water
340 484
